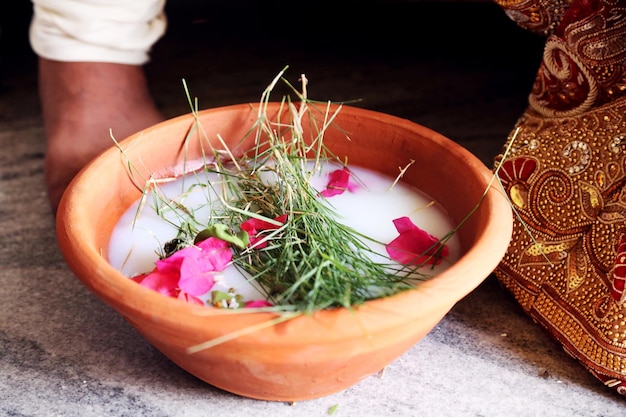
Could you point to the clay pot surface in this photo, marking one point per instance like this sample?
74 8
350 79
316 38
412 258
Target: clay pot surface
309 356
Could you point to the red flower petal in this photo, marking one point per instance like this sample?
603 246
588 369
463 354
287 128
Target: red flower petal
200 262
414 246
338 182
188 272
216 253
254 226
161 282
171 264
258 303
183 296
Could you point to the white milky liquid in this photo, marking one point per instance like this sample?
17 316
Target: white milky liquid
369 209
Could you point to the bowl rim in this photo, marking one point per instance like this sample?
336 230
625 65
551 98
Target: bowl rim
108 284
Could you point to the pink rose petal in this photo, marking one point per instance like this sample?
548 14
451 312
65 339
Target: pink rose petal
338 183
254 226
414 246
258 303
183 296
201 261
163 283
188 273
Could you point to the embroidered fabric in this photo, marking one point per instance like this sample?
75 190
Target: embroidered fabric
538 16
565 173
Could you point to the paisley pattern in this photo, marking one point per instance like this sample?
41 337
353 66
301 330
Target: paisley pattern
564 170
539 16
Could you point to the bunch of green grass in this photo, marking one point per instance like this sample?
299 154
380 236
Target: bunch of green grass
312 261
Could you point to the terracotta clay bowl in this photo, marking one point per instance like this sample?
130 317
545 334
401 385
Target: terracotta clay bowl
310 356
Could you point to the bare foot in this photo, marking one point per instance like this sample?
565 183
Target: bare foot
81 102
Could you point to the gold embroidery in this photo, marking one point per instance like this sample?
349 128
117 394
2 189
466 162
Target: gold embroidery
565 263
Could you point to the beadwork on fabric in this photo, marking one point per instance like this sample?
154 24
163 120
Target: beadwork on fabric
564 174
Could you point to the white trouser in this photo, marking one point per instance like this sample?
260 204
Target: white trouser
117 31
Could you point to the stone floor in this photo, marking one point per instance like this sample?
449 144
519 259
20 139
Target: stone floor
459 67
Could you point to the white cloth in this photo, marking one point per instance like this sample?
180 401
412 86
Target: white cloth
117 31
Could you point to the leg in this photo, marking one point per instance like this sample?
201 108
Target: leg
92 80
81 101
